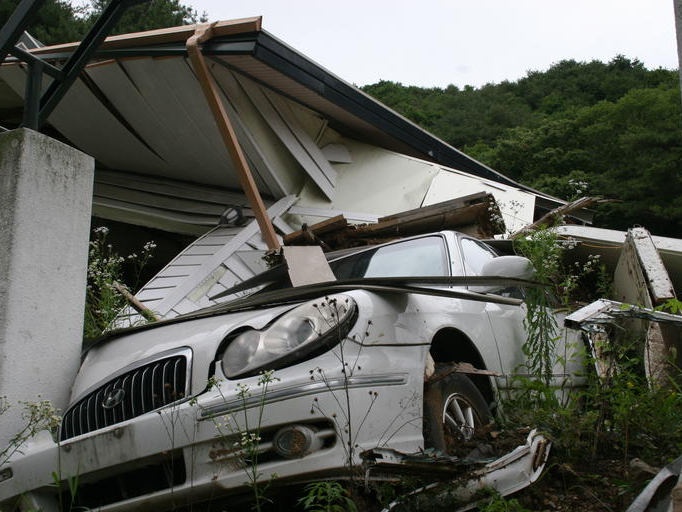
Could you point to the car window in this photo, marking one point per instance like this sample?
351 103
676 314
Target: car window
475 255
418 257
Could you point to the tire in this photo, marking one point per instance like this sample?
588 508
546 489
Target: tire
454 409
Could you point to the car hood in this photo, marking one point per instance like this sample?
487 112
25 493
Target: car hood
202 335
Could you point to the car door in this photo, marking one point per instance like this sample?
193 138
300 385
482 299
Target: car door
507 323
423 316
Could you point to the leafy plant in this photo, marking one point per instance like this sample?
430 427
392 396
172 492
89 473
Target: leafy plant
244 437
103 299
37 416
495 502
541 247
331 311
327 497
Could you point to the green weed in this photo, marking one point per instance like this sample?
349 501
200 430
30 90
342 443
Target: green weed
326 497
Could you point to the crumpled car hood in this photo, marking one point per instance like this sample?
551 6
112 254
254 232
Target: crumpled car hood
202 335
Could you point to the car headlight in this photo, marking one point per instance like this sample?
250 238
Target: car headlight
311 327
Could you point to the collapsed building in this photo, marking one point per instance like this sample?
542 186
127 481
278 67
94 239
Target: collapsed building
323 156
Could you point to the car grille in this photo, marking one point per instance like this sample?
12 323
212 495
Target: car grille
127 396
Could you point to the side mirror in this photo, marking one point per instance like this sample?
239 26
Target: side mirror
516 267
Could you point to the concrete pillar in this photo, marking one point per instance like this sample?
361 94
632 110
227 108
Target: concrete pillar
45 203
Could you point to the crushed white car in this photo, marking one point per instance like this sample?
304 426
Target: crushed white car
349 360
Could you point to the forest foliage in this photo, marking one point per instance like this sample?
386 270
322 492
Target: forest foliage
611 129
60 21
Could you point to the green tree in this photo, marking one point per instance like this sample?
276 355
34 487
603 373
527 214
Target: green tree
56 22
149 15
580 127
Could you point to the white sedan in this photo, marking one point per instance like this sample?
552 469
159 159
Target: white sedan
163 415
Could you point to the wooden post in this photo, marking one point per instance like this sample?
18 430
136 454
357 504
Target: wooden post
201 34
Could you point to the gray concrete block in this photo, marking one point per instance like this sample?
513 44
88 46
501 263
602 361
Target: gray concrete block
45 205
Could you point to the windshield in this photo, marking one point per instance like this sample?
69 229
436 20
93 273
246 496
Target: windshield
417 257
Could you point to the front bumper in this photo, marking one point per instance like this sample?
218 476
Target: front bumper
192 444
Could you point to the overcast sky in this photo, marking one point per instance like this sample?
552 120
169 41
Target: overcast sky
439 42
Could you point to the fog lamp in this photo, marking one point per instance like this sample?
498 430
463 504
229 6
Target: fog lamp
295 441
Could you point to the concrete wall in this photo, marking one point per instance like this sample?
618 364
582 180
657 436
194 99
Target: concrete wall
45 202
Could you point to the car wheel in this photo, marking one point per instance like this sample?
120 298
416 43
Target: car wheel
453 410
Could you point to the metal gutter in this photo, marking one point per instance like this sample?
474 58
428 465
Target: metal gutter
201 34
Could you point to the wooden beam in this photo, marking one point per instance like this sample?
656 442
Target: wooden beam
326 226
203 33
163 35
135 303
550 219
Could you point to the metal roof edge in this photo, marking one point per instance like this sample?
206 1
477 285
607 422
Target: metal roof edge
163 35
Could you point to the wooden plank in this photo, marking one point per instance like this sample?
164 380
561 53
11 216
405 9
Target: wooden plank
163 35
438 208
463 216
630 287
326 226
227 133
556 215
135 303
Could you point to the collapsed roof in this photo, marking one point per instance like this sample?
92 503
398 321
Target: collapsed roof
138 109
